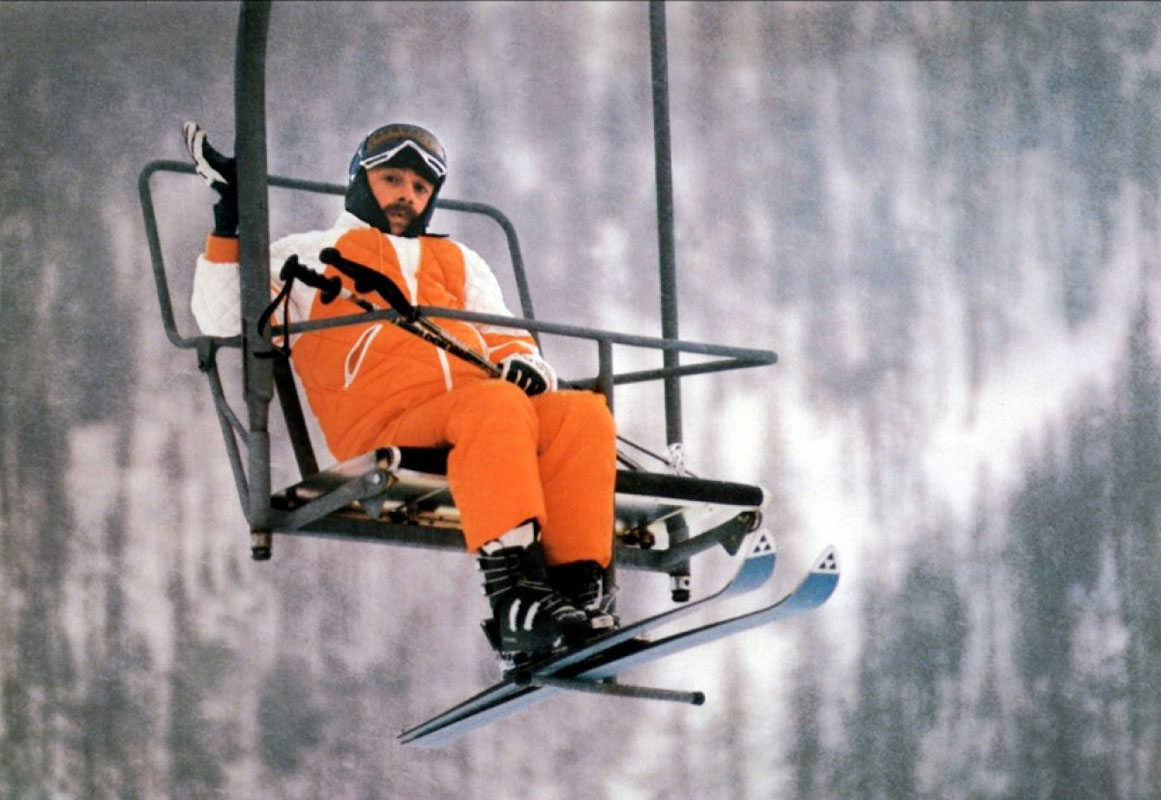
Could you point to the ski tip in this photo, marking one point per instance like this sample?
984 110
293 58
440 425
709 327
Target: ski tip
827 562
763 544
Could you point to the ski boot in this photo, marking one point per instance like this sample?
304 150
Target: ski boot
588 586
530 619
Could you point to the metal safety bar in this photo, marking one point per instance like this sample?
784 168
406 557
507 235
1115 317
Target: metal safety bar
729 358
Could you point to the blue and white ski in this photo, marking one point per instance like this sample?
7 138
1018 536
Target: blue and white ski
753 571
605 663
814 590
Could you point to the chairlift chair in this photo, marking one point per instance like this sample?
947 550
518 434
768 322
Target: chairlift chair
399 495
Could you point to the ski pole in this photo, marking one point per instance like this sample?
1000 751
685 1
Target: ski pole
410 319
367 280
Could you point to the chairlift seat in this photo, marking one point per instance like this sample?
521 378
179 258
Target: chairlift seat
400 494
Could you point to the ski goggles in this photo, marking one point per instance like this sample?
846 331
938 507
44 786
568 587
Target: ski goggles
433 162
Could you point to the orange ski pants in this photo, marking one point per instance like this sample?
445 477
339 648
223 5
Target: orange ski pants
551 457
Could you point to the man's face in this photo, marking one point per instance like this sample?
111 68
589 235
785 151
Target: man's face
401 192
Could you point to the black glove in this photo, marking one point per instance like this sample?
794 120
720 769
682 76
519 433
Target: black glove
220 173
531 373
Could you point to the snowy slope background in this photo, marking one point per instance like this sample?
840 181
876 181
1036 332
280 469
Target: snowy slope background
943 217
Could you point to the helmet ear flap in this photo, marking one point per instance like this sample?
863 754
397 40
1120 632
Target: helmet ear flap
360 201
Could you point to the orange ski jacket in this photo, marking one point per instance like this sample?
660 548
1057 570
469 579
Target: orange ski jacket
358 378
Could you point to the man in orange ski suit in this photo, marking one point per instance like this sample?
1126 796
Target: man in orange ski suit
531 468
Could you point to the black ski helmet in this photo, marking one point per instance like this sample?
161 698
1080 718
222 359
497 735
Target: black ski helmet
397 145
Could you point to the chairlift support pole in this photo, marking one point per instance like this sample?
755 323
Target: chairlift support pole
254 242
667 260
667 265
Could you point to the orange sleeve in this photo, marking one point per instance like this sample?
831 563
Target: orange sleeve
222 249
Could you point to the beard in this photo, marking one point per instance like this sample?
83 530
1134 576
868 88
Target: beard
401 208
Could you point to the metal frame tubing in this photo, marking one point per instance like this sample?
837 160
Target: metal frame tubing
254 241
667 263
667 266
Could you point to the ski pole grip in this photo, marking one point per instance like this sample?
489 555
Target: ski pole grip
329 288
368 280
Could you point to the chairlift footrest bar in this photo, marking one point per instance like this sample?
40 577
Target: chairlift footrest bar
612 689
357 489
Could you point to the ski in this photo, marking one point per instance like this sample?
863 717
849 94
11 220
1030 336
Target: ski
814 590
753 571
810 593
